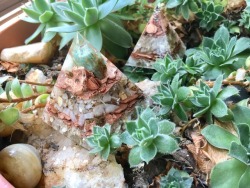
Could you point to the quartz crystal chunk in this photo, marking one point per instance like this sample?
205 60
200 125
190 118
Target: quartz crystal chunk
157 40
89 91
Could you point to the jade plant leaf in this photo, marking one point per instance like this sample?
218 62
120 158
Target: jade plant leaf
16 88
9 116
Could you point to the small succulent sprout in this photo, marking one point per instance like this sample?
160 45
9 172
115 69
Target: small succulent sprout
176 178
209 101
85 55
210 15
102 141
96 21
221 54
167 68
173 97
148 135
183 7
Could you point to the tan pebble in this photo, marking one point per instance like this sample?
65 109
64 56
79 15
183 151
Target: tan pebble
151 28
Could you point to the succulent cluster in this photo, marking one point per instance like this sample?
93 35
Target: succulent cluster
176 178
148 135
221 54
210 101
167 68
173 97
102 141
94 19
210 15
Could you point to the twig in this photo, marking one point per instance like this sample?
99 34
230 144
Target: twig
21 99
33 83
33 108
226 82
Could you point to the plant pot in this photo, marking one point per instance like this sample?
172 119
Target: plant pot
14 31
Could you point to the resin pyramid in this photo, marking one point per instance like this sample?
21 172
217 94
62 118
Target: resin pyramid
89 91
157 40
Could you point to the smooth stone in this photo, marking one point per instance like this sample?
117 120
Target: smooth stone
40 53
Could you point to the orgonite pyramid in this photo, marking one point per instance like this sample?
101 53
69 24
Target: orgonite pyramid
89 91
157 40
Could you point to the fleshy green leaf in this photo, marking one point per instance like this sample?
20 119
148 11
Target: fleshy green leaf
115 141
115 33
31 13
8 89
241 45
244 180
219 108
166 127
41 5
76 18
105 152
134 158
106 8
46 16
244 132
41 99
94 36
67 28
127 139
148 153
218 136
26 90
241 115
16 88
165 144
217 85
9 116
173 3
237 151
227 174
228 92
91 16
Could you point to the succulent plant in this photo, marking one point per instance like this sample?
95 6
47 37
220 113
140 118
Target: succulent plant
173 97
209 101
15 94
183 7
94 19
41 11
148 135
210 15
102 141
239 149
176 178
221 54
167 68
245 16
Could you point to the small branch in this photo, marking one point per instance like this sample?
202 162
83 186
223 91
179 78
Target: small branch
21 99
33 83
33 108
226 82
